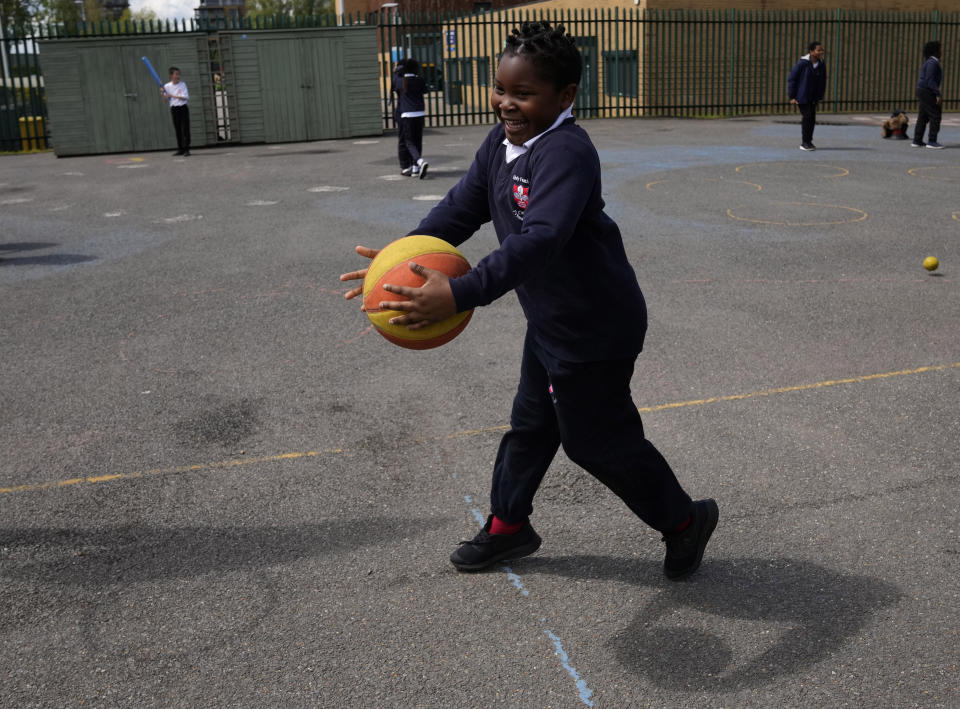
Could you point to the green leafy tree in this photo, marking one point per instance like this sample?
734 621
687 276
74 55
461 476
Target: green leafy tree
60 11
304 8
144 14
92 11
18 12
268 8
295 8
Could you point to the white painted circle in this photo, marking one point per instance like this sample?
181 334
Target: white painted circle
180 218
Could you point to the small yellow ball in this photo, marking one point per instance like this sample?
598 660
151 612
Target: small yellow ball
931 263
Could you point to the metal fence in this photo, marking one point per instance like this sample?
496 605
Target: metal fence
707 63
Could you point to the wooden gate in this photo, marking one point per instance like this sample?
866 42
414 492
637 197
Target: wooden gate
302 84
102 99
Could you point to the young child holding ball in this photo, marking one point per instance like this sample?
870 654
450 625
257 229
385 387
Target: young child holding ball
537 177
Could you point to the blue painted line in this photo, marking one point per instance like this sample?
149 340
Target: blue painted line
581 684
515 580
585 691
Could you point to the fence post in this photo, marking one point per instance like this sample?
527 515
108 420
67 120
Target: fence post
836 69
731 54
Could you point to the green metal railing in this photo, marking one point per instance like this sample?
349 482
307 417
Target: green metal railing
23 114
706 63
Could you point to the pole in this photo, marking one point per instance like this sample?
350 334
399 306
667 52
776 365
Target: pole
3 56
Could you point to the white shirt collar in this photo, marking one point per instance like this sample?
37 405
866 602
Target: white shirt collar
515 151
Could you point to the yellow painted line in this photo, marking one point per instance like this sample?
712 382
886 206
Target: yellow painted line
956 215
96 479
841 171
477 431
651 185
918 172
862 215
800 387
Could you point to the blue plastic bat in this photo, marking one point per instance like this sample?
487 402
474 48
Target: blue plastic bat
153 71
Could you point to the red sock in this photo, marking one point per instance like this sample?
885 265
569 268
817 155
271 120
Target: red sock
498 526
684 525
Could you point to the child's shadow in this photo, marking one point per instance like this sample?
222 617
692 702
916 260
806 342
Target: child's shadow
737 623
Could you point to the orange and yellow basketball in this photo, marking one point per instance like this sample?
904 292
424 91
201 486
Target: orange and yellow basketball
391 266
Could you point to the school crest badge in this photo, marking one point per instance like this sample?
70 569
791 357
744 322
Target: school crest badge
521 195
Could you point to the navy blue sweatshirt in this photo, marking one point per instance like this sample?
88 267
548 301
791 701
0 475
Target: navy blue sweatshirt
930 75
558 249
410 100
806 83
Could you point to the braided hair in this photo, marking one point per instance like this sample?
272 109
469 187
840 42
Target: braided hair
553 52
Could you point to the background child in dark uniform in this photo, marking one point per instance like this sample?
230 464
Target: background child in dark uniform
537 177
806 86
411 109
928 93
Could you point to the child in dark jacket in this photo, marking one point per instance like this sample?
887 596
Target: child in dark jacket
806 86
537 177
928 93
411 109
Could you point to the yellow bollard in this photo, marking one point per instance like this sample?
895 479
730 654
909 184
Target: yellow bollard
32 135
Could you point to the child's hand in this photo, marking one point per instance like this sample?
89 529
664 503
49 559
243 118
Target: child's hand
430 303
358 275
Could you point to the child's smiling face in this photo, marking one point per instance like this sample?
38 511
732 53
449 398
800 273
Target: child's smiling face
524 101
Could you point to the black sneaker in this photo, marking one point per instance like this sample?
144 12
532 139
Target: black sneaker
685 549
807 146
918 144
186 153
178 153
423 169
407 171
486 549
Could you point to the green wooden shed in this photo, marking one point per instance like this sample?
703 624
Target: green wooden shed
102 99
302 84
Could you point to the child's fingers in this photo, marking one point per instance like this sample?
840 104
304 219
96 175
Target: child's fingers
405 291
405 306
354 275
411 320
353 292
367 252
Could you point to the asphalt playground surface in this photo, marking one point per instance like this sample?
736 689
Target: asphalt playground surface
219 487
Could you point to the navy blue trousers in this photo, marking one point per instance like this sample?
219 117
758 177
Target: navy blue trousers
410 141
930 111
808 120
587 408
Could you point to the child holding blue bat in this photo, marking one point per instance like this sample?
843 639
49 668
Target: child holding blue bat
175 92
